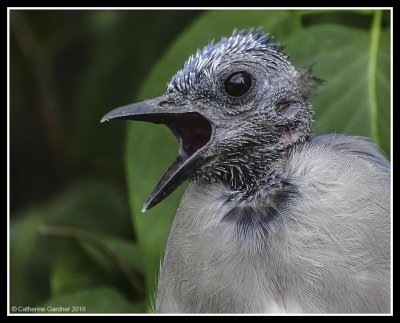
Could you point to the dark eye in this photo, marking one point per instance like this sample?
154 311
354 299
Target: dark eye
238 84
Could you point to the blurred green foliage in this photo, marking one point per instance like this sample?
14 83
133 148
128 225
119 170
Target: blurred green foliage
68 68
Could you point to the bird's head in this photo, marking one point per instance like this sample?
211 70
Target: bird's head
235 108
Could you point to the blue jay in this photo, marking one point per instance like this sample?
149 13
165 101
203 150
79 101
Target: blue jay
274 219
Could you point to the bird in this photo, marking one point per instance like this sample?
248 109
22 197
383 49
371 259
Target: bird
275 219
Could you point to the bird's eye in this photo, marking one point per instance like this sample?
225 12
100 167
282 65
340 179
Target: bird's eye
238 83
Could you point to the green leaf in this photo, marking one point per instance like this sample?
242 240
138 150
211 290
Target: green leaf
30 261
93 206
343 58
88 261
151 148
125 250
96 300
74 270
87 206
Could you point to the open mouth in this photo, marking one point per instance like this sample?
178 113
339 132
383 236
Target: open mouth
192 129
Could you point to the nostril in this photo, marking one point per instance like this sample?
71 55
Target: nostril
164 103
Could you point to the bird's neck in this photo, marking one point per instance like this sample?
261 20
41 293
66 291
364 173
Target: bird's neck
248 169
257 167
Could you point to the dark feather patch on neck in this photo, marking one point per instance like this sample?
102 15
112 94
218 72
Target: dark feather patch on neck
261 216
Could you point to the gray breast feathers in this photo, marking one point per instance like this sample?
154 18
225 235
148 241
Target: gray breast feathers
320 242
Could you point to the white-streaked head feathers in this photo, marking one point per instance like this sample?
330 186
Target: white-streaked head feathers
254 41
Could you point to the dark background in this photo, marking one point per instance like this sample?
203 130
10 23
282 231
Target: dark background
67 69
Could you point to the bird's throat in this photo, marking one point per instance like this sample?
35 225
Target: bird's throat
247 170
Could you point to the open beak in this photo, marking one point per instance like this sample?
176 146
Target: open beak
192 129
